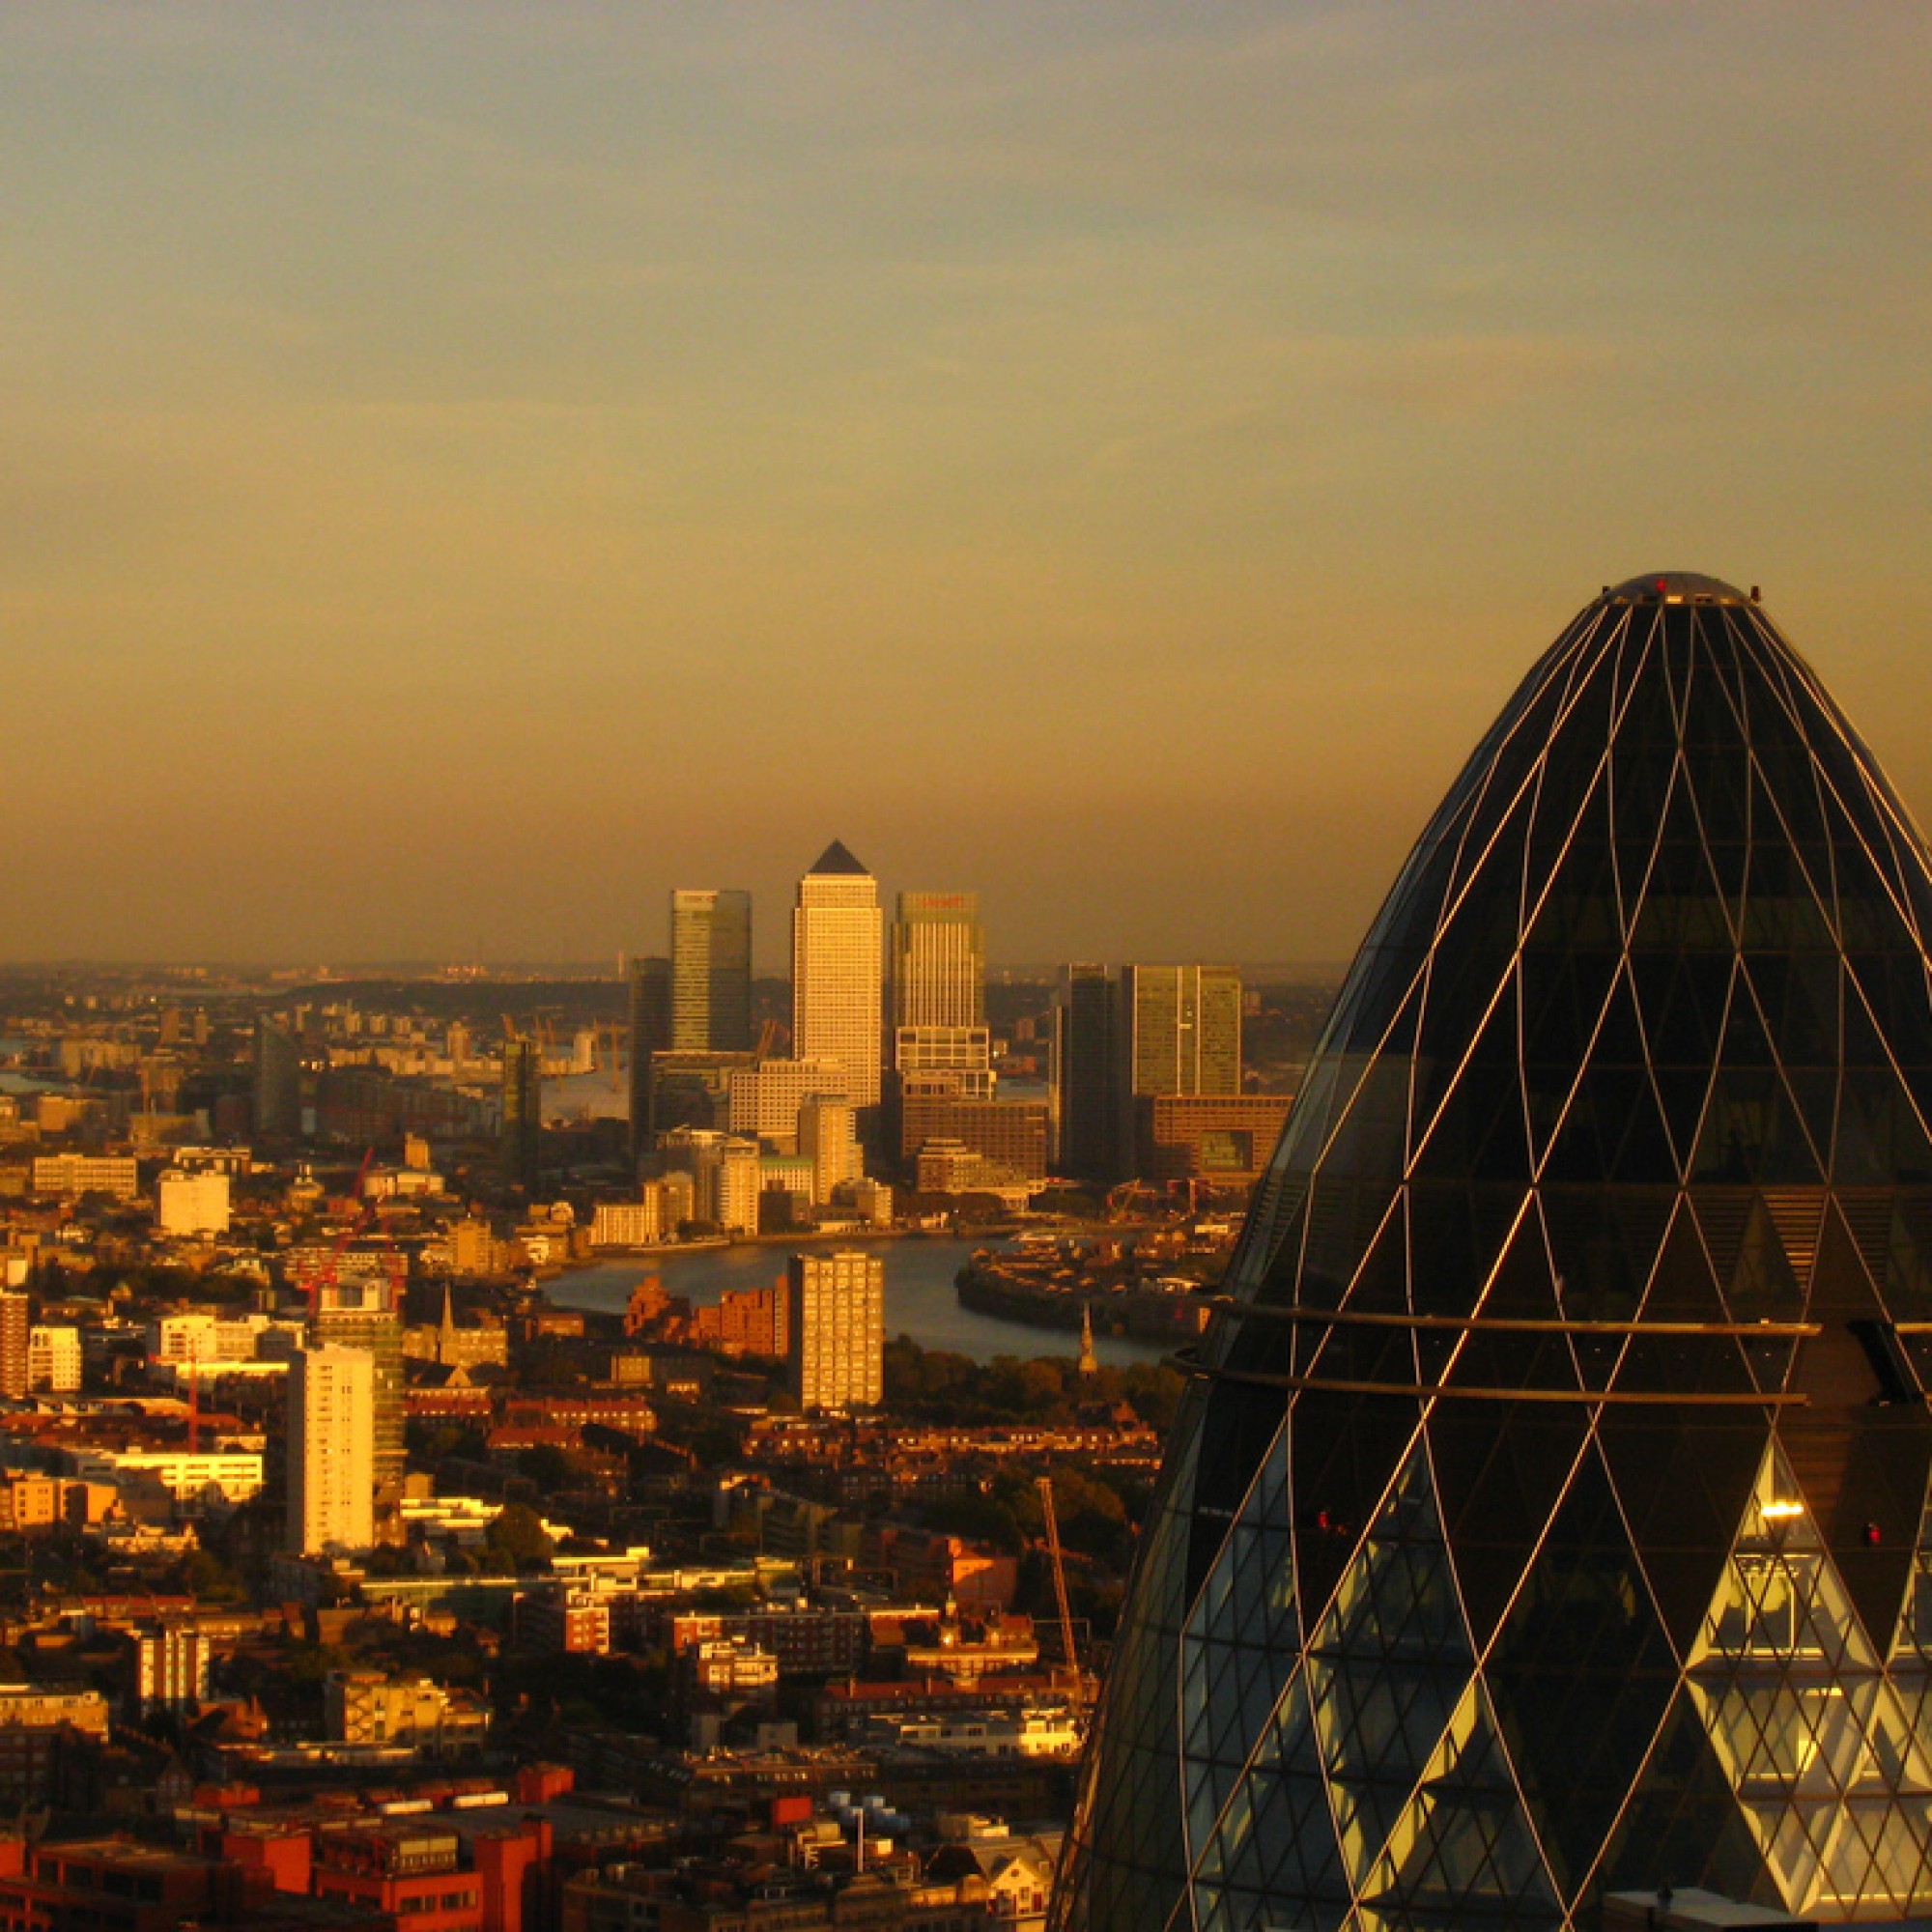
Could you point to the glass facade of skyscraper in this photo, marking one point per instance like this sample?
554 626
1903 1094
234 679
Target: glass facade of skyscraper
1546 1513
710 970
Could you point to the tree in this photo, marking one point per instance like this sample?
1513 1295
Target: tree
517 1536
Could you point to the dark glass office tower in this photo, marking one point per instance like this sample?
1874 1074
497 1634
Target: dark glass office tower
1546 1511
1086 1073
650 1033
710 970
522 1096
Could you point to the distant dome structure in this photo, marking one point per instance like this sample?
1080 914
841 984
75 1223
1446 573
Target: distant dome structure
1546 1511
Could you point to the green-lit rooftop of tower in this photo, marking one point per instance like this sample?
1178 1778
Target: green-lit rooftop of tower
1546 1513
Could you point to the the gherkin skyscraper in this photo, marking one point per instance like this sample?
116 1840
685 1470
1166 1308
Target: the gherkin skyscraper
1547 1511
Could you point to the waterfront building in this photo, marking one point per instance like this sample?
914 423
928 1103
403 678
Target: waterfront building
1011 1135
828 1136
521 1105
1222 1138
650 994
723 1170
766 1097
1085 1075
836 1329
837 942
332 1434
1546 1511
654 1217
710 970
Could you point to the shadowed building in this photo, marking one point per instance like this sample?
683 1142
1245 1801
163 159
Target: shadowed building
277 1080
1086 1074
1545 1515
650 1033
521 1135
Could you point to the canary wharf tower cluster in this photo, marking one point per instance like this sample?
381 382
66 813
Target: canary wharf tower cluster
1547 1515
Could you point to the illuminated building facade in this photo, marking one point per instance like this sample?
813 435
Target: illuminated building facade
837 964
1546 1513
710 970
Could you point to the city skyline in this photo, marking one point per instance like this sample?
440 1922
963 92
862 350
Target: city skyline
1154 426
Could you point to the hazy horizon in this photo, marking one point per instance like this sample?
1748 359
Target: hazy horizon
469 469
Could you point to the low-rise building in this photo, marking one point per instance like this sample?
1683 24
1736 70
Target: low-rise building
196 1481
54 1358
363 1707
74 1173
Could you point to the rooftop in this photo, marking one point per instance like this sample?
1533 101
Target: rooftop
836 860
1676 586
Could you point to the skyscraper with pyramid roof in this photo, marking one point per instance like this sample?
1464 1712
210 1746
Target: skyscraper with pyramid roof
837 972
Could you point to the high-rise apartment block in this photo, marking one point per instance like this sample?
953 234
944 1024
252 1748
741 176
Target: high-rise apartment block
650 989
828 1136
710 970
16 1324
837 942
363 1312
836 1329
332 1426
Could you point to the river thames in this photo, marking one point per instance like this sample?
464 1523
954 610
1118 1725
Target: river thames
920 1298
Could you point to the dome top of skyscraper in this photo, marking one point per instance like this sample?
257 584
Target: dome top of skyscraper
836 859
1549 1511
1675 586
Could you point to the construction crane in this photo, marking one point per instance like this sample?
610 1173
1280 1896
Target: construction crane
326 1276
1055 1556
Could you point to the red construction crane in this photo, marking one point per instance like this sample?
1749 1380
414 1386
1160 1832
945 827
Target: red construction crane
1044 1484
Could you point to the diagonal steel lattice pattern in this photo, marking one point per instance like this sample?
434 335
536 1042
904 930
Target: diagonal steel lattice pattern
1546 1513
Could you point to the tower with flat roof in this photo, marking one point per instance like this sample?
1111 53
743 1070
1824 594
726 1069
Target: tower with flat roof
710 970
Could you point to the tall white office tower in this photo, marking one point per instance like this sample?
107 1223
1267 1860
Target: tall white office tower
836 1329
838 947
332 1450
